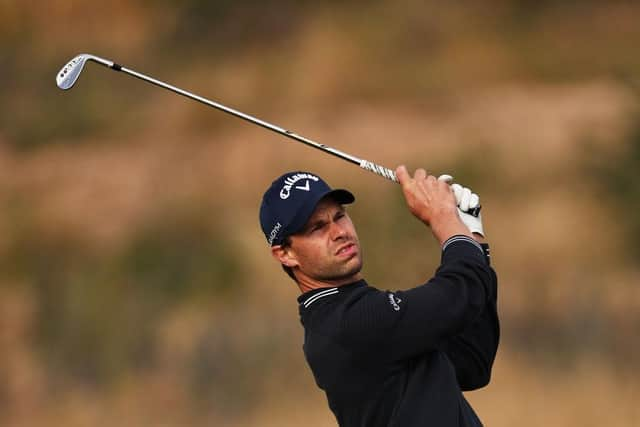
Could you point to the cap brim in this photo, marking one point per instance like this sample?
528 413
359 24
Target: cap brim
344 197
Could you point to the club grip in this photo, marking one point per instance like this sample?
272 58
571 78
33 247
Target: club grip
379 170
391 175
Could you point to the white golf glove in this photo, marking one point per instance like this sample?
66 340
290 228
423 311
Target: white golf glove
466 201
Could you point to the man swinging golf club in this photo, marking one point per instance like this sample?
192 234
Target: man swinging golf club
387 358
398 359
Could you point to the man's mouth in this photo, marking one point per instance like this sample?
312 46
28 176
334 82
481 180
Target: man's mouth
347 249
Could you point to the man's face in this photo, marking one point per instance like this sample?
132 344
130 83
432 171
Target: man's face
327 248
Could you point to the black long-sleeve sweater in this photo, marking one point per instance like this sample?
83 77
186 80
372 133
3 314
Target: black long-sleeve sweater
402 359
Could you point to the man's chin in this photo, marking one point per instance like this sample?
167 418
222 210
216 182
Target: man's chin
350 274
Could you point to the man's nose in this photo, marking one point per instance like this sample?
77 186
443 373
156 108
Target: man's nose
337 231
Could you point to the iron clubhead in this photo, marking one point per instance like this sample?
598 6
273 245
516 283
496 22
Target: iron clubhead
68 74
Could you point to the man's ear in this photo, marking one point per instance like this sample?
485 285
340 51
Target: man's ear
284 255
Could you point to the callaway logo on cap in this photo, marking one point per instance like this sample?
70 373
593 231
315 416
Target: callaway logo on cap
289 202
291 180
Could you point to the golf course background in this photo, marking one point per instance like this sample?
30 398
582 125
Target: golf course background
136 288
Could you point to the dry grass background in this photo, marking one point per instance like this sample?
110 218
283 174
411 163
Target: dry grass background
136 288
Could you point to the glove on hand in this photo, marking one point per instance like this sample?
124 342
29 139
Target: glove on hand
466 201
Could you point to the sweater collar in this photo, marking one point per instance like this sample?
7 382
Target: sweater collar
308 298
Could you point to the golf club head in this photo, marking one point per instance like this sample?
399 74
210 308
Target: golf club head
68 74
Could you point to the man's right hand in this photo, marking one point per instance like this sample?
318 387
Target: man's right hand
433 202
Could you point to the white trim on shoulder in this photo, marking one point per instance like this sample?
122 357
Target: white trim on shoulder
319 295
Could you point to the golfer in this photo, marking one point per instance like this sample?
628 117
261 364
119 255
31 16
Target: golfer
388 358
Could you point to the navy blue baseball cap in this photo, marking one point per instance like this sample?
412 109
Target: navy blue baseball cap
289 202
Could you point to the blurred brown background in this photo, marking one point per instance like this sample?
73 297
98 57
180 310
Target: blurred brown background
136 288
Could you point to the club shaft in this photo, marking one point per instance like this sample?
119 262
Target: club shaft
365 164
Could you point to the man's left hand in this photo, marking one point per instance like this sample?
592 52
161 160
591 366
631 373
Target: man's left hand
466 201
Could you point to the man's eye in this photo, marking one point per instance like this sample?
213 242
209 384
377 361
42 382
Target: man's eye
316 227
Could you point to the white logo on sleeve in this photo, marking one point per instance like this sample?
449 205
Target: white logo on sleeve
394 301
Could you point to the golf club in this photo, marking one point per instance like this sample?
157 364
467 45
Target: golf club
69 74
